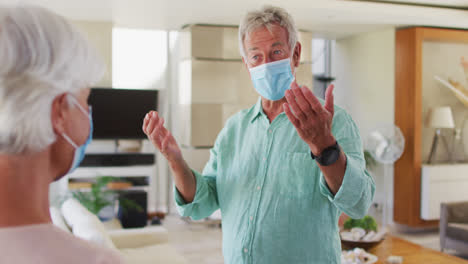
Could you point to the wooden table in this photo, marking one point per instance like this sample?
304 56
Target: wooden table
412 253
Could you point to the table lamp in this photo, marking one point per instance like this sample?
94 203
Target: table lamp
440 118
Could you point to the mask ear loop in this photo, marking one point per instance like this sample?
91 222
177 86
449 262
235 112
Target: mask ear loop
79 106
67 138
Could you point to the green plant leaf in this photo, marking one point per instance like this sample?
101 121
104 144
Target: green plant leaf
367 223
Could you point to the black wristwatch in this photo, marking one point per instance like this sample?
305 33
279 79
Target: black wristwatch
328 156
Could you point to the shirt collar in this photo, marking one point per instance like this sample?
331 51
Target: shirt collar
257 110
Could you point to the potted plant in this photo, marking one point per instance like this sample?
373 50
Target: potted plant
100 197
361 233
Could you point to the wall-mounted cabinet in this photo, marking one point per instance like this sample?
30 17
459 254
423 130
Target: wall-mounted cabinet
214 82
209 42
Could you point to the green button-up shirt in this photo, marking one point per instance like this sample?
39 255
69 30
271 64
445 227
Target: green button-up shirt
275 203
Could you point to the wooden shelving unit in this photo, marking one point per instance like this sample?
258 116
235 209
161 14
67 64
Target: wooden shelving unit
408 116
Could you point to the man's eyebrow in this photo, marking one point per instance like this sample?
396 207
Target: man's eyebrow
277 44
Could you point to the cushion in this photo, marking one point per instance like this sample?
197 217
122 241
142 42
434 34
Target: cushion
113 224
458 231
160 253
457 212
93 232
74 212
139 237
57 219
85 224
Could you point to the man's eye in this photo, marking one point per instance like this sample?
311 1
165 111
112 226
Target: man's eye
255 57
277 52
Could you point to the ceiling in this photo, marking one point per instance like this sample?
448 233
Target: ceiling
330 18
442 3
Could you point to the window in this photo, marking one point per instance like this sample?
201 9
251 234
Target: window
139 58
321 65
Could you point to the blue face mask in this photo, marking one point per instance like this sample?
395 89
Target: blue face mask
271 80
80 150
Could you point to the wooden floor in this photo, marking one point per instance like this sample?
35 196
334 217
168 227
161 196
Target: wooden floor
412 253
202 244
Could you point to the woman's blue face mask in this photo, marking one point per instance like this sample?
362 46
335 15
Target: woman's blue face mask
271 80
80 150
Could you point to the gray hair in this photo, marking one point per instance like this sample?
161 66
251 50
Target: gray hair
265 17
42 56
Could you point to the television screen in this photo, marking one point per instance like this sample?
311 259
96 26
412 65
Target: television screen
119 113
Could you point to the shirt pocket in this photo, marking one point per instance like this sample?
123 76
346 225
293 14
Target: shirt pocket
297 175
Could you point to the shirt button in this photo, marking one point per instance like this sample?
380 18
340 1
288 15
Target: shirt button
246 250
258 188
270 131
264 159
251 218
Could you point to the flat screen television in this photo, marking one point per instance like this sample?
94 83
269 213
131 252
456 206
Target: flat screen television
119 113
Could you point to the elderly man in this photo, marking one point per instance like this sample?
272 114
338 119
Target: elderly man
46 70
282 171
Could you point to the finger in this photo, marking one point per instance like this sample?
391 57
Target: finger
329 104
301 101
291 116
153 119
160 123
293 104
156 134
159 129
145 123
312 99
294 85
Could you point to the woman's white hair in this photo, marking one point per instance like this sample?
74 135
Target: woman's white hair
265 17
42 56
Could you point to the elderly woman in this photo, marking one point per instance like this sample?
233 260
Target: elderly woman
46 70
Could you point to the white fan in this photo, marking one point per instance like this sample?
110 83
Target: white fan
386 145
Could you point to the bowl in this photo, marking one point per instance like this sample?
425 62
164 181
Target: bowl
366 245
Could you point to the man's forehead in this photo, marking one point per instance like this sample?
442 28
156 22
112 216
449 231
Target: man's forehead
274 33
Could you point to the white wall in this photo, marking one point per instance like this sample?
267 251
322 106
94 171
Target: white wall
364 67
99 33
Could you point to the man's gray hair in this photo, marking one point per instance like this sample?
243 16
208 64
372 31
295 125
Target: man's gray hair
265 17
42 56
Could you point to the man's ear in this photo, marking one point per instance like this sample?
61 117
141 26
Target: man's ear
59 113
297 54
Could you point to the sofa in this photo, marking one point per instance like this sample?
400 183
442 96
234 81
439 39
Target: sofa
149 245
453 227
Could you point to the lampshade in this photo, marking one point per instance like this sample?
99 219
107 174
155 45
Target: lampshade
441 117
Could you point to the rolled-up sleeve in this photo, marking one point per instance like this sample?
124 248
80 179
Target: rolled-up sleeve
357 189
205 201
206 196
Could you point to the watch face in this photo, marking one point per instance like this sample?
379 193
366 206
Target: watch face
330 155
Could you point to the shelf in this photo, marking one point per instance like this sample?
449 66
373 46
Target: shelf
132 171
408 179
134 188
